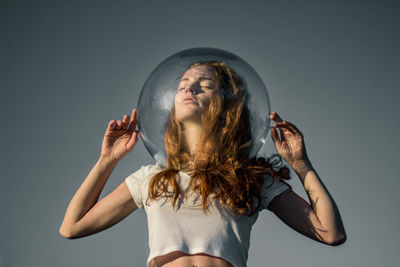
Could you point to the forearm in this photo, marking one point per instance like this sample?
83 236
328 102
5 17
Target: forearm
88 193
320 200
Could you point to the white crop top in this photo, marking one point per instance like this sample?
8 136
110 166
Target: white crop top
219 233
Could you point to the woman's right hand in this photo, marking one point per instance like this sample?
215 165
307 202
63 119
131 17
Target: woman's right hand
120 140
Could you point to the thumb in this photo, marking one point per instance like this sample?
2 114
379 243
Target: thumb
133 140
275 136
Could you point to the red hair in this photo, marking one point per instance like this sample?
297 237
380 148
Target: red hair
224 169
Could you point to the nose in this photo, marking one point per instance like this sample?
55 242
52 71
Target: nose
189 88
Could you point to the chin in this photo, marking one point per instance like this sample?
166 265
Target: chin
187 115
190 119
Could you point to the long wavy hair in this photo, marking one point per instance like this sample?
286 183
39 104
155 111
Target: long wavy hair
221 169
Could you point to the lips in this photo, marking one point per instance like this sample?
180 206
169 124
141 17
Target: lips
189 99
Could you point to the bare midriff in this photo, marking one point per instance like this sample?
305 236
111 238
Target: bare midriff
182 259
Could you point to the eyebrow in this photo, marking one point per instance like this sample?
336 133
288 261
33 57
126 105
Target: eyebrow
201 78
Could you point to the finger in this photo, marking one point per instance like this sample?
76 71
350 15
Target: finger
134 138
118 125
133 121
284 125
125 122
110 125
274 116
293 128
275 136
279 126
285 130
290 127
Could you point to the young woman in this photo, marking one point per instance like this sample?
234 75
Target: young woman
202 203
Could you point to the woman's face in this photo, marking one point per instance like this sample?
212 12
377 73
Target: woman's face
195 89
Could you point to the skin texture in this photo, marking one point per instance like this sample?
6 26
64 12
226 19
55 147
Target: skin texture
320 220
193 84
181 259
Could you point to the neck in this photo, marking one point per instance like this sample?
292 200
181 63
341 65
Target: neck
191 134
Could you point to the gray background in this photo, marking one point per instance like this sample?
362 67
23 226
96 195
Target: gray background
68 68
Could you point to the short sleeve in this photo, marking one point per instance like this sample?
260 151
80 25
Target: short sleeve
269 192
134 183
137 183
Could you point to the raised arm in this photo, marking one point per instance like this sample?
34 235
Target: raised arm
321 219
86 215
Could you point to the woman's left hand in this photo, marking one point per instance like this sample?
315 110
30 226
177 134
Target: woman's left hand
291 144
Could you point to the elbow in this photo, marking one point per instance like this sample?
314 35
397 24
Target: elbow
337 240
66 233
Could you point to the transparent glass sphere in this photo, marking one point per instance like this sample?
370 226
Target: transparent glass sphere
157 97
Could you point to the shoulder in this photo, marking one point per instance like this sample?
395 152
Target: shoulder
145 171
272 188
138 180
151 168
